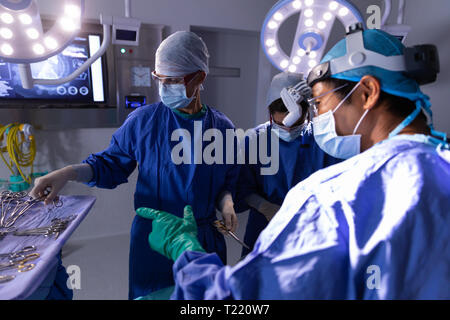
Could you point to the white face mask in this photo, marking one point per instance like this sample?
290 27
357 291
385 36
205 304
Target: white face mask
326 137
288 135
174 95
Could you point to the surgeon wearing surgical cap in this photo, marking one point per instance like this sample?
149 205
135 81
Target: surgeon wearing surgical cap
372 227
299 157
146 138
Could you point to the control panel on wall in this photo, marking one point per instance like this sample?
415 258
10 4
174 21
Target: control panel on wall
134 67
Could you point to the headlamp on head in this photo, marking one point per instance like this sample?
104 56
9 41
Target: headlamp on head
420 63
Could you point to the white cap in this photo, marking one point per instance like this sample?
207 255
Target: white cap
182 53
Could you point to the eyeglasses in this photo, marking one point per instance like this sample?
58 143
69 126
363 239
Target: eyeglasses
173 80
313 102
167 80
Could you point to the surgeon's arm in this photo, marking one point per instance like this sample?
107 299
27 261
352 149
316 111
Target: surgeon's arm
268 209
51 184
114 165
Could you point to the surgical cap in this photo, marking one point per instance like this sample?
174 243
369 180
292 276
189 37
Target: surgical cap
182 53
281 81
392 82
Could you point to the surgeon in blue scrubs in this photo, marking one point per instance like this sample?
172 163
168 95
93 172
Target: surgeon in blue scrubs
147 139
374 226
299 157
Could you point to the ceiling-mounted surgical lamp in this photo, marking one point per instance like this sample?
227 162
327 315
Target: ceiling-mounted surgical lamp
23 40
315 23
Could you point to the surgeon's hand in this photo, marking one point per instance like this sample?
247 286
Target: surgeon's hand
171 235
229 218
51 184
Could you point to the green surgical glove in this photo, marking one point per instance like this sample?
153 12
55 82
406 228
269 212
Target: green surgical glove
171 235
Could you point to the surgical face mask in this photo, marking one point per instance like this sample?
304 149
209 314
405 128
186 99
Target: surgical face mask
174 95
288 135
326 137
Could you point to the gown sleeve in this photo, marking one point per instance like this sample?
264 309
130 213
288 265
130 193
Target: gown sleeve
114 165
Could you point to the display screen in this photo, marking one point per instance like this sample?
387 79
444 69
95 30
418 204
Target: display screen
126 35
87 88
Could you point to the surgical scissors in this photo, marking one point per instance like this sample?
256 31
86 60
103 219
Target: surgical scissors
19 264
20 253
17 204
221 226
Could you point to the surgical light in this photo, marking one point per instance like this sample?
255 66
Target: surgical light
50 43
32 33
273 51
328 16
270 42
30 42
73 11
296 4
292 68
7 18
38 48
278 16
25 19
343 12
7 49
68 24
314 26
309 13
6 33
273 25
312 63
333 5
321 25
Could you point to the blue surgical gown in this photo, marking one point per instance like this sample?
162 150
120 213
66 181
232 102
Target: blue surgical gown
298 159
373 227
145 139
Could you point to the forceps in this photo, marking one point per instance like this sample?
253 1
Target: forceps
9 230
221 226
20 263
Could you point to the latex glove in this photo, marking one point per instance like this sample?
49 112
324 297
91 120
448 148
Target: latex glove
268 209
226 207
51 184
171 235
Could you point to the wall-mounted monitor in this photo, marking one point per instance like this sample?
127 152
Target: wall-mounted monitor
87 89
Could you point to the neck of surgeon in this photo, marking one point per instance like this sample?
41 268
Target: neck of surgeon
195 106
384 123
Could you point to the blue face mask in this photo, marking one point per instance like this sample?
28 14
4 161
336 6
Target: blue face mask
286 135
174 95
341 147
